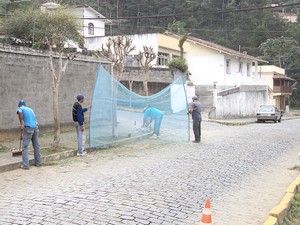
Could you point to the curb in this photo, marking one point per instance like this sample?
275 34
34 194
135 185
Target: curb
48 158
279 212
71 153
231 123
240 123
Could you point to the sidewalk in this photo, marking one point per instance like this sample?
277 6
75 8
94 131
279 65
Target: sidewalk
9 162
245 121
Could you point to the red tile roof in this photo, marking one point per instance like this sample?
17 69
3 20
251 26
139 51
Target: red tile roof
219 48
282 77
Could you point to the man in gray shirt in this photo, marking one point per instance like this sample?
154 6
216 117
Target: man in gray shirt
195 110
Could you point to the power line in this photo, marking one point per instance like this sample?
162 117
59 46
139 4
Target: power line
204 29
194 14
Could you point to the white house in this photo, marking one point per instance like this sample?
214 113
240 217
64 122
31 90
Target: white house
208 62
92 25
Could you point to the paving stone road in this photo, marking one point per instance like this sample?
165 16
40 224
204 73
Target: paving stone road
244 170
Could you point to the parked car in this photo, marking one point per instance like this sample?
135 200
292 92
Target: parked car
268 113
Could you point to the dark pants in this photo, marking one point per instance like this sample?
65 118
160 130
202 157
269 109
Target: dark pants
197 129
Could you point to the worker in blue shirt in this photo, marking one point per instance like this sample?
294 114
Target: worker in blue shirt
78 118
30 131
151 114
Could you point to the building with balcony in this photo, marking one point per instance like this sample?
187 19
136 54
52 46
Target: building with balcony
280 85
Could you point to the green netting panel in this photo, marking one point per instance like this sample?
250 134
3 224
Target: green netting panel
117 113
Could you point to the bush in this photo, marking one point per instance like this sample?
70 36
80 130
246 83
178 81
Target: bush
179 64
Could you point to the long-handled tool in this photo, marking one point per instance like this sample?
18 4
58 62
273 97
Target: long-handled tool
18 152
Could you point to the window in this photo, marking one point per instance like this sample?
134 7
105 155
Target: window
162 59
248 69
228 66
241 68
91 29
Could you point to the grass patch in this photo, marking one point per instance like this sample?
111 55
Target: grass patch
48 151
3 149
293 217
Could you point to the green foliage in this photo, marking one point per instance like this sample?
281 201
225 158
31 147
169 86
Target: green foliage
244 30
35 28
179 64
293 217
285 53
295 98
177 27
239 30
278 50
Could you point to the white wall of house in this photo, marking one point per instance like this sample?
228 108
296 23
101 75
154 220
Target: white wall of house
240 71
99 25
138 41
208 66
90 40
206 70
242 101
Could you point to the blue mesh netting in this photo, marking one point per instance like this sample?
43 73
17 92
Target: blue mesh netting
117 113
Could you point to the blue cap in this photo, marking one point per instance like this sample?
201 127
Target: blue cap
80 96
22 102
195 97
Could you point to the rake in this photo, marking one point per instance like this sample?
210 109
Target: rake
19 151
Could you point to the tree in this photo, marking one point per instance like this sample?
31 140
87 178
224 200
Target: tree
178 27
284 52
278 50
116 51
43 29
144 59
179 64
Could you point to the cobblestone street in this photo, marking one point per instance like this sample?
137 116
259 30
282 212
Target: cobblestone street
244 170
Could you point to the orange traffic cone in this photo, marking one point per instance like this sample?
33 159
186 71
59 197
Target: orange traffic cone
206 215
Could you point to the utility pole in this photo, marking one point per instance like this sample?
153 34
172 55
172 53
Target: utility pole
138 15
117 8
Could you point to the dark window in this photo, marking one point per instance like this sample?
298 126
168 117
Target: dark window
91 29
162 59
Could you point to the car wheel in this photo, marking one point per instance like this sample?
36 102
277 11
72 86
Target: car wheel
258 121
275 121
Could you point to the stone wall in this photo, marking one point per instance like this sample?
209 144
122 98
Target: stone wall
241 101
159 78
25 74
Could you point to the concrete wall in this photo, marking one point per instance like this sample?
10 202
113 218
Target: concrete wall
241 102
25 74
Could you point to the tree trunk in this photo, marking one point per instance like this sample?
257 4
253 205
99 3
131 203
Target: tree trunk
130 82
145 86
55 108
147 77
55 89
